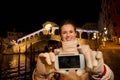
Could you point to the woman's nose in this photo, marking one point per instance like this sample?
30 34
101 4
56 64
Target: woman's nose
68 34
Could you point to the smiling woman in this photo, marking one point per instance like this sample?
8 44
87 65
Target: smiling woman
45 68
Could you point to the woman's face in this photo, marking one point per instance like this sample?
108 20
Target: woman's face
68 32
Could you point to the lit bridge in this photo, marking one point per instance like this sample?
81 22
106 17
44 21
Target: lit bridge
39 39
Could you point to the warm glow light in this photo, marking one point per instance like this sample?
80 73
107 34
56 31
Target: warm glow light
106 32
105 28
48 26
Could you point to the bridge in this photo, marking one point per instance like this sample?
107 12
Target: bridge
39 39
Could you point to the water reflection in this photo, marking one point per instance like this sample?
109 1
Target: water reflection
14 66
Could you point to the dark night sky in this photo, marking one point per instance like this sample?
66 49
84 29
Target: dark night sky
31 15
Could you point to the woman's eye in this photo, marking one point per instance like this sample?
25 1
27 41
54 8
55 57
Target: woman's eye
64 32
71 31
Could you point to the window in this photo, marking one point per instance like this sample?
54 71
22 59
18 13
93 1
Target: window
84 35
56 32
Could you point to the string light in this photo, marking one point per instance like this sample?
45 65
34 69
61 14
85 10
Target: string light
55 28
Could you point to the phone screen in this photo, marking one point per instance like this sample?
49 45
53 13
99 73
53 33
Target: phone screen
69 61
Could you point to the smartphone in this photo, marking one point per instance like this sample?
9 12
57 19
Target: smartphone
69 61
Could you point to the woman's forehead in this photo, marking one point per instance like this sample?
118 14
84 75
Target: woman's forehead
68 26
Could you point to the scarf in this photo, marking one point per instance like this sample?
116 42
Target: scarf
69 47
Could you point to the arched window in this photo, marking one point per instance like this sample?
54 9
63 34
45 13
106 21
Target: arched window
84 35
56 32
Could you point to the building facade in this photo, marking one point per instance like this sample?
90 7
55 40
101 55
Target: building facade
109 19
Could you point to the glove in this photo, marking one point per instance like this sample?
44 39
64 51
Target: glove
94 59
49 57
44 68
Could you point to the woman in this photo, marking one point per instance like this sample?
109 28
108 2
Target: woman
95 67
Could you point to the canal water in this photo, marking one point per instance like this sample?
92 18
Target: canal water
16 66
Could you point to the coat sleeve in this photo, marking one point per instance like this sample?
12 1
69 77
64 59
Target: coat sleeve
42 71
106 75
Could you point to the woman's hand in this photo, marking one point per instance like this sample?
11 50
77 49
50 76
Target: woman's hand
94 59
49 57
